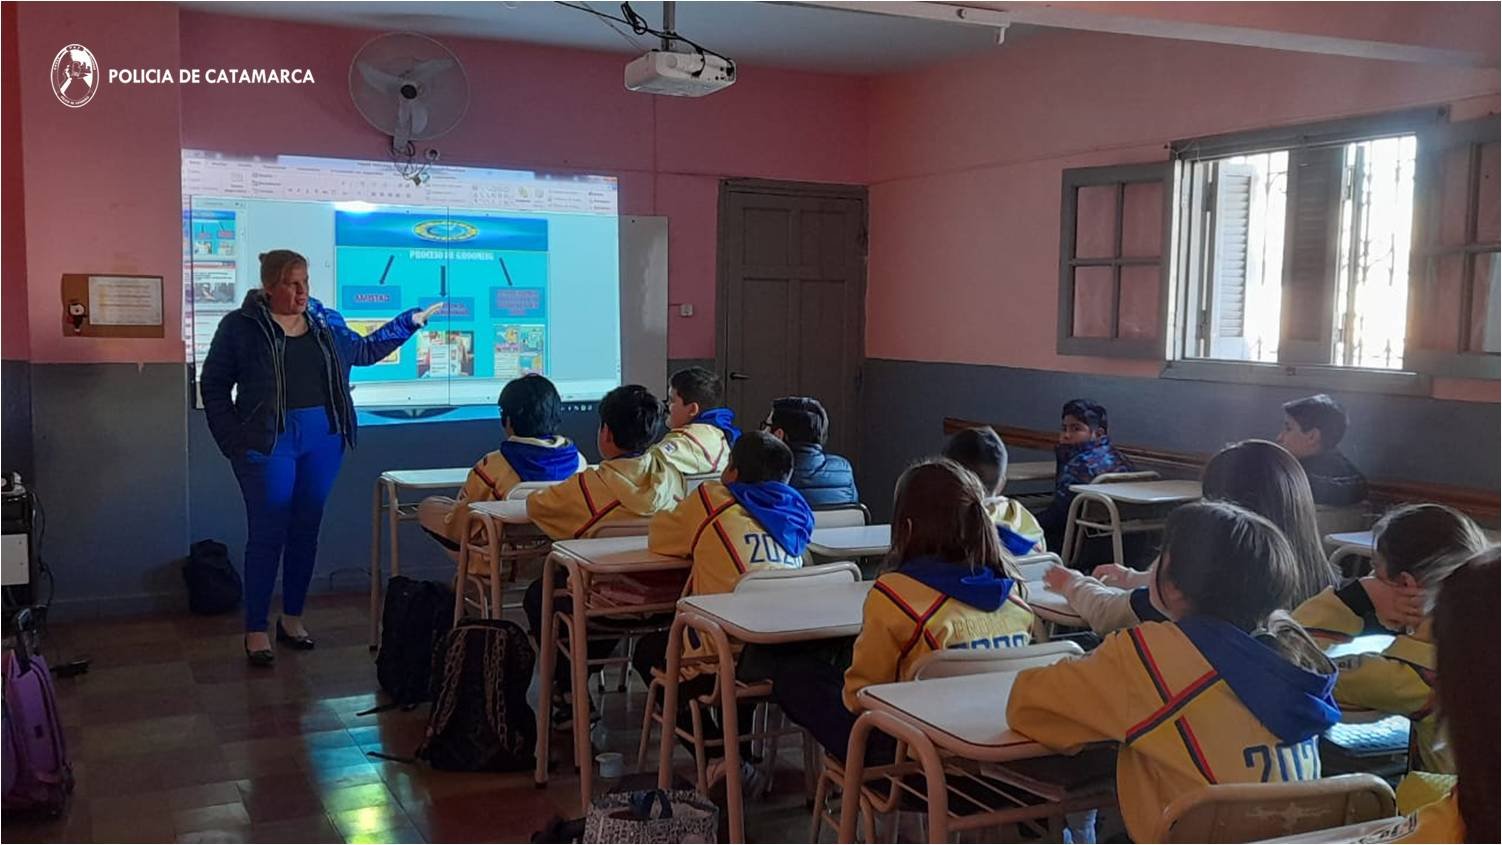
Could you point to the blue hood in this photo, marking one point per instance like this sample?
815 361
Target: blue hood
1016 543
1143 607
1293 703
780 509
533 462
721 418
983 590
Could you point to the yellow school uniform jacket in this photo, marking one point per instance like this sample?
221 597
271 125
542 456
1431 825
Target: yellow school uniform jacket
1437 822
720 535
694 449
490 480
617 489
1179 724
1400 680
1013 515
904 618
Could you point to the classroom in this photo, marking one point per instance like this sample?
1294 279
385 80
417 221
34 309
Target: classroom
816 421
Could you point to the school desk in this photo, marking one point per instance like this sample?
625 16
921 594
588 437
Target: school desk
855 541
1031 471
386 501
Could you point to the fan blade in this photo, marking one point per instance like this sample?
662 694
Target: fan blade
377 78
402 132
425 71
419 116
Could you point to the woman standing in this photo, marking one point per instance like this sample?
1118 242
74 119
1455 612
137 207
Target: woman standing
286 429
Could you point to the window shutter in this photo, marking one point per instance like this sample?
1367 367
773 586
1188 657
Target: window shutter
1113 260
1232 227
1311 254
1452 299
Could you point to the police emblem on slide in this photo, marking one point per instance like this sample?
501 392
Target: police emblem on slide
75 76
445 231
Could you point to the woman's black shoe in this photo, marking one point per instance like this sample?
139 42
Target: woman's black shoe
302 643
261 657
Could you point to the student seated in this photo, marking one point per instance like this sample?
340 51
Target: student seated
1466 634
950 585
701 430
1230 691
1084 452
750 520
531 414
981 451
630 482
825 480
1417 546
1312 430
1255 474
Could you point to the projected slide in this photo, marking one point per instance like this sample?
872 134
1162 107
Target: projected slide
525 266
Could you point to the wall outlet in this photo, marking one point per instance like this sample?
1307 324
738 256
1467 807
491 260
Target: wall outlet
686 310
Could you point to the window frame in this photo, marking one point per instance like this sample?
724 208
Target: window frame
1119 176
1185 279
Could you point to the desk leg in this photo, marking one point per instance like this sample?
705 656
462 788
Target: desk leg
669 733
548 652
375 566
918 746
394 514
578 643
495 533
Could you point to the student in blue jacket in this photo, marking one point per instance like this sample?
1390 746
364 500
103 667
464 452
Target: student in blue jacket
275 390
825 480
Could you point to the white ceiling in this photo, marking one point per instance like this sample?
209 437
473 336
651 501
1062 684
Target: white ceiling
771 34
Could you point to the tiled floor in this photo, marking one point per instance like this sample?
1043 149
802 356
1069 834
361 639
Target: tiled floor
174 738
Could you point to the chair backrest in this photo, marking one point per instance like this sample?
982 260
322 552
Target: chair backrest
1033 566
1250 812
842 516
1121 477
692 482
526 488
633 527
758 580
949 662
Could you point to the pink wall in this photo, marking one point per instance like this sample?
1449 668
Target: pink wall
987 272
669 153
101 181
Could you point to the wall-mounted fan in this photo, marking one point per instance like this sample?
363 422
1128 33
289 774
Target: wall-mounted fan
410 87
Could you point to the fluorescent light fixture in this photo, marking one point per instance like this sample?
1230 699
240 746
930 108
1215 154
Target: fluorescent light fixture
355 206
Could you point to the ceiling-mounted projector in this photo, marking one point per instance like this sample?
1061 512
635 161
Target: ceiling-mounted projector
679 74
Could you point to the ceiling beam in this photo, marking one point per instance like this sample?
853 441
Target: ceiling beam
1089 17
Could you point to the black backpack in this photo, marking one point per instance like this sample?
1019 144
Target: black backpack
213 584
480 720
414 621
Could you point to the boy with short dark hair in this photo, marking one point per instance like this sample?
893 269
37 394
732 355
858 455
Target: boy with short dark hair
702 430
531 414
981 451
1084 452
1312 430
825 480
631 479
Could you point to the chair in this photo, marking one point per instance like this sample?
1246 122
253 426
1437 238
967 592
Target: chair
1352 561
1251 812
842 516
946 664
755 581
692 482
1093 514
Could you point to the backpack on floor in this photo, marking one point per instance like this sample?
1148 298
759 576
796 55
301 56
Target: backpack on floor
38 775
416 617
481 721
213 584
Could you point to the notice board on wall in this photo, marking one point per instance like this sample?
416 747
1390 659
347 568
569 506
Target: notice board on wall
112 305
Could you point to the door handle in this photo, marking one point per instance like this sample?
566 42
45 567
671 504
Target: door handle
738 376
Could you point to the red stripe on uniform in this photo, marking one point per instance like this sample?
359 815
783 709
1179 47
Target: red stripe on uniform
589 501
730 547
1196 753
596 518
710 515
696 442
1148 662
1173 705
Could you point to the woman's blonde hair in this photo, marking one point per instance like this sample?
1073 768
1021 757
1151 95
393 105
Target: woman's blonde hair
940 512
277 263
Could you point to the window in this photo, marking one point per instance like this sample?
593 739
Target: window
1354 252
1299 254
1111 266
